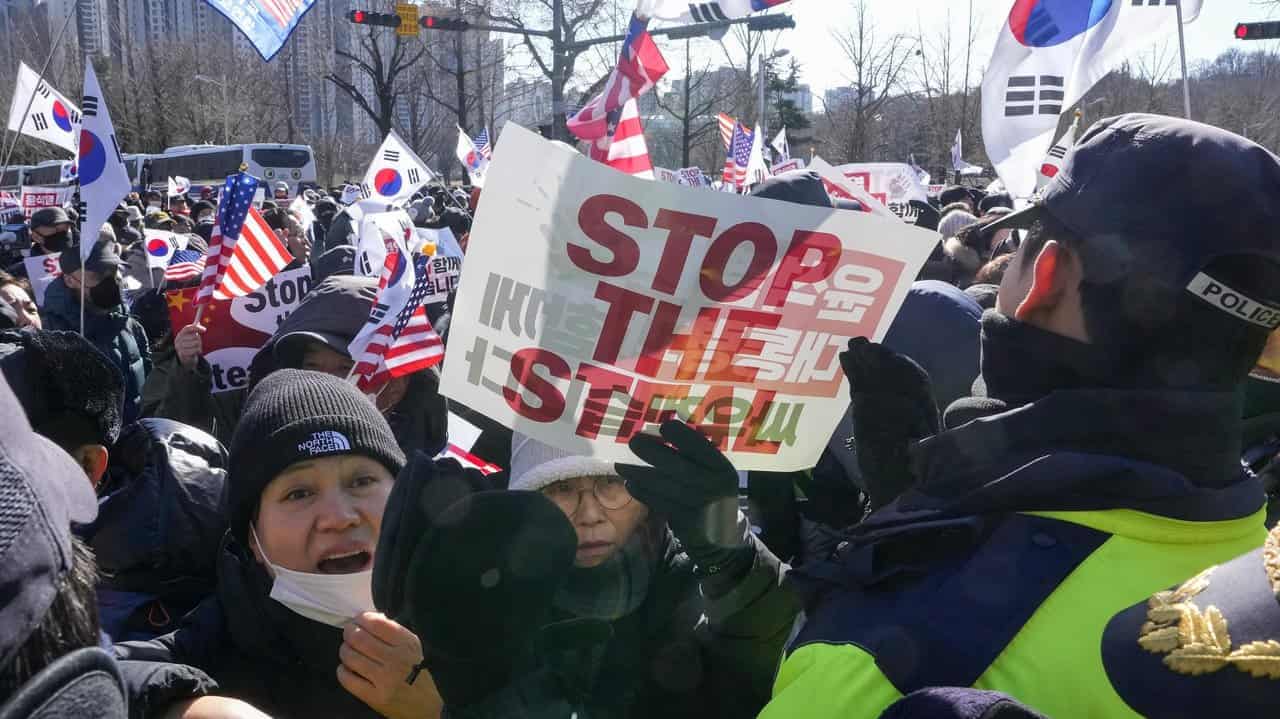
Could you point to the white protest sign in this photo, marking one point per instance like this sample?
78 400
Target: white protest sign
662 174
628 302
839 187
41 270
33 198
893 183
795 163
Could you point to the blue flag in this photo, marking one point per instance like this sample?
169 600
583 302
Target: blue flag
266 23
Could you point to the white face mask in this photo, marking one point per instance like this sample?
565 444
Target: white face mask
332 599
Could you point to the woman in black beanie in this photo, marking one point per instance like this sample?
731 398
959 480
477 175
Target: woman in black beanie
292 628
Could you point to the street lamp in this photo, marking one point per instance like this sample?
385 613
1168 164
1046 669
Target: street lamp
226 107
764 115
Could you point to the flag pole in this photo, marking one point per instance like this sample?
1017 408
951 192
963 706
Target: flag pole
4 167
1182 51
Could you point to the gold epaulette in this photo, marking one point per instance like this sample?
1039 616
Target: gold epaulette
1196 641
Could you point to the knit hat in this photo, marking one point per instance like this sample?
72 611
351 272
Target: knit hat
294 415
955 221
535 465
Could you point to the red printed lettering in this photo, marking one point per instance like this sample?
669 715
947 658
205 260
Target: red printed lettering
623 248
792 268
550 401
764 250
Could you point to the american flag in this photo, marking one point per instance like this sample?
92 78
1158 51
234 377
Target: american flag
482 144
623 148
640 66
726 129
183 266
257 257
233 208
735 166
282 11
411 344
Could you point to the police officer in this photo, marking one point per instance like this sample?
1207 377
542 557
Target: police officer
1103 463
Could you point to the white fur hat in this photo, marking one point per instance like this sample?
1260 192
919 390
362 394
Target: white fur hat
535 465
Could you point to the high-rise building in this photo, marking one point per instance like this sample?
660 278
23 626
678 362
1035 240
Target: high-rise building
802 98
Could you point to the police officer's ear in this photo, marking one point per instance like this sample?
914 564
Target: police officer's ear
1052 301
92 458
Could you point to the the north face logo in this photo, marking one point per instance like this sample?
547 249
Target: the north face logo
326 442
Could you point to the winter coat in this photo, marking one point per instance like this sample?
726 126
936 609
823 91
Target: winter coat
254 648
158 529
681 653
337 307
113 331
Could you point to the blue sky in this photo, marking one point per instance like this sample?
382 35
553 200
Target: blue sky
822 61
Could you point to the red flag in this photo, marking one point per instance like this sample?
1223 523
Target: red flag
639 68
625 149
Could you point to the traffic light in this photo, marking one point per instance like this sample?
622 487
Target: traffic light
383 19
771 22
1258 30
435 22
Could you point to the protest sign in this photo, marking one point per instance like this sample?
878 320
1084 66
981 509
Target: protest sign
236 330
893 183
41 270
840 188
10 206
626 303
33 198
662 174
795 163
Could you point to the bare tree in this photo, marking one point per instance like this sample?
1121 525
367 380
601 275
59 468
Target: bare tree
569 20
383 60
876 63
694 105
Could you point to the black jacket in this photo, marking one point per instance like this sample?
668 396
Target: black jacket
256 650
118 335
158 529
685 651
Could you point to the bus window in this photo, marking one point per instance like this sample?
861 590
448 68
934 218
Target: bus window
279 157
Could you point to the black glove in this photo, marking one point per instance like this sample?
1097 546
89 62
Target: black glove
422 492
479 589
693 486
892 408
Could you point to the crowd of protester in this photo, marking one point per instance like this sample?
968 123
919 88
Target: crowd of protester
1052 494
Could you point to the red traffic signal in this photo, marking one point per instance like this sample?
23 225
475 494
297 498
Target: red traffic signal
364 17
1258 30
432 22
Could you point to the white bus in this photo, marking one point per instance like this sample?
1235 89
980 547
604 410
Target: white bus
54 173
13 178
209 165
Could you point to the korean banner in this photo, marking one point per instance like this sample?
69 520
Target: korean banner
33 198
236 330
629 302
445 268
893 183
841 188
41 271
10 206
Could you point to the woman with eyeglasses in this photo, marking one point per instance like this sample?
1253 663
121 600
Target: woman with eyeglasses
694 602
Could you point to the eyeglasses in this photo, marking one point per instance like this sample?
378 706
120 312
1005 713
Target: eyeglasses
610 492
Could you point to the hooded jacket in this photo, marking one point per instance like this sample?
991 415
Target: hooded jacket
118 335
158 529
337 308
1045 508
253 647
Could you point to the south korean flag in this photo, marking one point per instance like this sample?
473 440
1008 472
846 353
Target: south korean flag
685 12
395 173
51 116
1047 56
